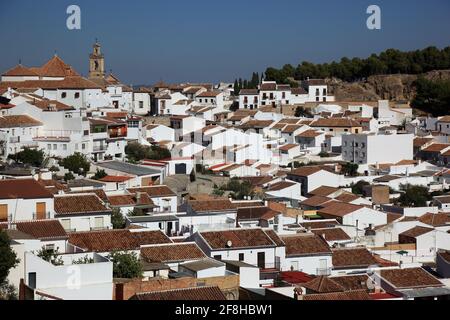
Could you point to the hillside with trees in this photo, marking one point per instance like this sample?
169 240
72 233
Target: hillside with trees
391 61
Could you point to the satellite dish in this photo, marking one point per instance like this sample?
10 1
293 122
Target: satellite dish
229 243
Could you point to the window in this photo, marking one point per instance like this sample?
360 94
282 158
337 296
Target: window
55 146
218 257
65 147
98 222
241 257
317 92
141 104
324 92
317 99
49 147
86 132
77 95
83 146
63 95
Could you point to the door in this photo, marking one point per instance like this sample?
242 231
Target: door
32 280
261 260
41 210
3 212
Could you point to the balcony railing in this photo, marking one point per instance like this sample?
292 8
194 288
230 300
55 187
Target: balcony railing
99 148
45 215
323 271
14 139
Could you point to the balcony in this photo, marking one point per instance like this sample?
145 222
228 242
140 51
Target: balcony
39 216
323 271
14 139
99 148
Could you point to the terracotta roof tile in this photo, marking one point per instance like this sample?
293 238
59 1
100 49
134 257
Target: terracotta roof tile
40 229
352 258
172 253
110 240
332 234
323 284
416 231
339 209
357 295
18 121
304 245
410 278
196 294
23 189
324 191
240 238
79 204
155 191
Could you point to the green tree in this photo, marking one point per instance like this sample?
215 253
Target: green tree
83 260
136 152
218 192
432 96
76 163
8 258
117 219
51 256
350 169
236 87
413 196
29 156
126 265
358 187
99 174
68 176
8 291
303 112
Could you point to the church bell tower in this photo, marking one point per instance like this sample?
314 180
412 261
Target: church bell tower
96 63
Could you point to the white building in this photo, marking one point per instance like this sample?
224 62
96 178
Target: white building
373 149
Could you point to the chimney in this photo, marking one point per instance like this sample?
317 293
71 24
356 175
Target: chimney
324 237
298 293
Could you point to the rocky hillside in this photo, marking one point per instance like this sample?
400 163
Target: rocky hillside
393 87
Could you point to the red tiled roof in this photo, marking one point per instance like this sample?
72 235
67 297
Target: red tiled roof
18 121
338 296
79 204
410 278
332 234
23 189
352 258
18 71
239 238
339 209
154 191
40 229
305 244
172 253
295 277
110 240
196 294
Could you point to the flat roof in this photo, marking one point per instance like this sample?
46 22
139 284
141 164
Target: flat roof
128 168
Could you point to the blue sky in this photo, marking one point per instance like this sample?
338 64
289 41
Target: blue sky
209 40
